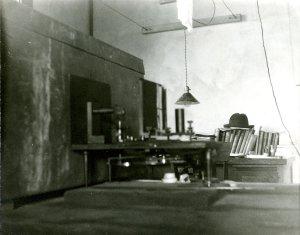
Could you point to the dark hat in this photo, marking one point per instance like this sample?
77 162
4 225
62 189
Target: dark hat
238 120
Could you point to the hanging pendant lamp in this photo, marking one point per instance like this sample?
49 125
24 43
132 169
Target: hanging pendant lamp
187 98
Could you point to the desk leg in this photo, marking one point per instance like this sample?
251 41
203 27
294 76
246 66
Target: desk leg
109 169
85 153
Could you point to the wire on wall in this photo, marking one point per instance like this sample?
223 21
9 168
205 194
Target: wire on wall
228 8
123 15
290 39
212 17
214 12
270 80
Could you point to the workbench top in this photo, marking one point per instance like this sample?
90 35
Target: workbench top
150 145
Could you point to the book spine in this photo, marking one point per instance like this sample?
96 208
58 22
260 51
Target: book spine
227 136
251 143
276 141
240 141
235 141
232 135
272 138
247 141
220 136
244 141
265 140
269 141
217 133
260 142
257 142
223 136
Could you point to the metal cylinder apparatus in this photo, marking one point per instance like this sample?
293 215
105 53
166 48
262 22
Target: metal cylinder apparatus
179 119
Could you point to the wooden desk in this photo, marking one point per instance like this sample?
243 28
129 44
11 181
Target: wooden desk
269 170
212 149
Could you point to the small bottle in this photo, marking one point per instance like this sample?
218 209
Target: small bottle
163 159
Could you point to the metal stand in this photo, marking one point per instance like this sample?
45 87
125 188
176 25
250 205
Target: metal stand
208 161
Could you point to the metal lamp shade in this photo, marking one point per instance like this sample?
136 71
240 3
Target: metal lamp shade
187 99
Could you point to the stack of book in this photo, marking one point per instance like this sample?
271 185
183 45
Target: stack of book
265 140
243 139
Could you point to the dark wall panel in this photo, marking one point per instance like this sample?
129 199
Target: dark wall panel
36 155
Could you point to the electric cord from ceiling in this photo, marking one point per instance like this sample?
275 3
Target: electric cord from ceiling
185 60
270 80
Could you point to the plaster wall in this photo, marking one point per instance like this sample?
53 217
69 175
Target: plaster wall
74 13
40 54
226 63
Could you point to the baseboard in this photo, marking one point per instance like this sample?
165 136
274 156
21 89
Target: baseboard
21 201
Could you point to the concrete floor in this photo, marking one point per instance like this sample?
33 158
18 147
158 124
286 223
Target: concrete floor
231 212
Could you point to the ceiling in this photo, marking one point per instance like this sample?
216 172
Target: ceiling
151 12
